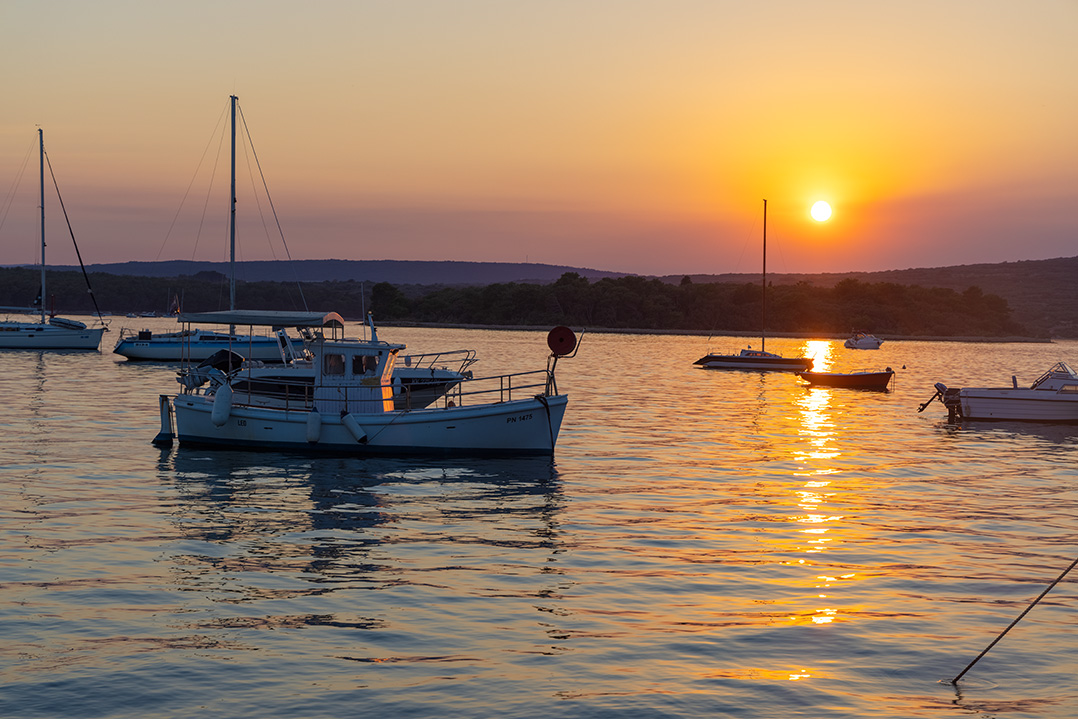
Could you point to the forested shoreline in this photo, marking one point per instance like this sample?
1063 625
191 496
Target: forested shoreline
615 303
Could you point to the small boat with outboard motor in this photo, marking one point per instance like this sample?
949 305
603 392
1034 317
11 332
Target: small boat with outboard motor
1053 397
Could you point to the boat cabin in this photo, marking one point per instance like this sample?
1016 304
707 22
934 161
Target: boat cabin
354 377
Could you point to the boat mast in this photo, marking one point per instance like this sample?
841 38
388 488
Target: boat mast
763 326
41 191
232 219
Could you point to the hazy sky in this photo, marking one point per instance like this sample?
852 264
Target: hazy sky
623 135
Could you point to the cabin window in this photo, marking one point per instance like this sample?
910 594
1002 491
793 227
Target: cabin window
333 364
364 364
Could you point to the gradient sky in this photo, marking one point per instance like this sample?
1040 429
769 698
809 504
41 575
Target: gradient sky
635 136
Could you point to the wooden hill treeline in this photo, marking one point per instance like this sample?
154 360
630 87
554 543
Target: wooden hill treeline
616 303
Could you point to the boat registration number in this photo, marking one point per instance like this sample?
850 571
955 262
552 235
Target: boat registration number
521 418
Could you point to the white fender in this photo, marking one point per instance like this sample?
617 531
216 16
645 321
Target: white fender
353 426
222 406
314 426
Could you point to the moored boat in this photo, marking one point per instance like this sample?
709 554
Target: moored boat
192 345
863 341
860 379
348 407
761 359
757 360
1053 397
52 332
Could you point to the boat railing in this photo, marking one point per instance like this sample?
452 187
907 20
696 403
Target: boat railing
498 388
460 360
297 394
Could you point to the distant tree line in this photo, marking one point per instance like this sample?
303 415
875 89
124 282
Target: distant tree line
615 303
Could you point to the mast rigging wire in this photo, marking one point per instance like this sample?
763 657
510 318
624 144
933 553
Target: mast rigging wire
78 254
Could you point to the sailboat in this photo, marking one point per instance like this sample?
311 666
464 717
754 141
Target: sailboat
757 360
198 344
52 333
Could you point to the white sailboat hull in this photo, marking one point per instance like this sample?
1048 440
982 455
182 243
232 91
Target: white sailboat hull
173 349
774 363
32 336
528 426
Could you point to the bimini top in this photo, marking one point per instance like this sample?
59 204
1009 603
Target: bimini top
264 318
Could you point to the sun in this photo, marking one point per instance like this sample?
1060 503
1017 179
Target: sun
821 211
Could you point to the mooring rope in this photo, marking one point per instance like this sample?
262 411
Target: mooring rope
1033 604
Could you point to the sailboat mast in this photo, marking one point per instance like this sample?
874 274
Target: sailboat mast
232 218
763 326
41 194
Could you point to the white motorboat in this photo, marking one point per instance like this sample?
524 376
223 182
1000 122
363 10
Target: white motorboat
761 359
863 341
51 333
1053 397
348 406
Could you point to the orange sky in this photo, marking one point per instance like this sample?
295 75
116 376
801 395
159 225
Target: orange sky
618 135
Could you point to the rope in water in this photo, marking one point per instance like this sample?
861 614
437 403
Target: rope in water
1033 604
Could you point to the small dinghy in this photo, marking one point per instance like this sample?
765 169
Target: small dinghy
861 379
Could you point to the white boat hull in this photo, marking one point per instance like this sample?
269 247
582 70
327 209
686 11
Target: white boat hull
1019 404
528 426
264 349
23 336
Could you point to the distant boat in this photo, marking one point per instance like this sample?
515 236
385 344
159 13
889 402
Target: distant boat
863 341
1053 397
53 333
861 379
758 360
197 344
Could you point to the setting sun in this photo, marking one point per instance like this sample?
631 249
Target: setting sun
821 211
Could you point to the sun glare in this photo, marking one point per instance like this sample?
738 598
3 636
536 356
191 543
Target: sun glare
821 211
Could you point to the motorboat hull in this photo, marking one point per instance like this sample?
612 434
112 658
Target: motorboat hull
1053 397
850 380
526 426
32 336
1019 404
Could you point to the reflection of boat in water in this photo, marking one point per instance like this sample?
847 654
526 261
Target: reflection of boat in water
1053 397
350 407
860 379
337 523
761 359
863 341
54 333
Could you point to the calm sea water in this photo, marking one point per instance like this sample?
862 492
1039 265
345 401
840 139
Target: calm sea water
703 544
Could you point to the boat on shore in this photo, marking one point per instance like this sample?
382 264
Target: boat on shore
1053 397
863 341
349 408
761 359
51 332
859 379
